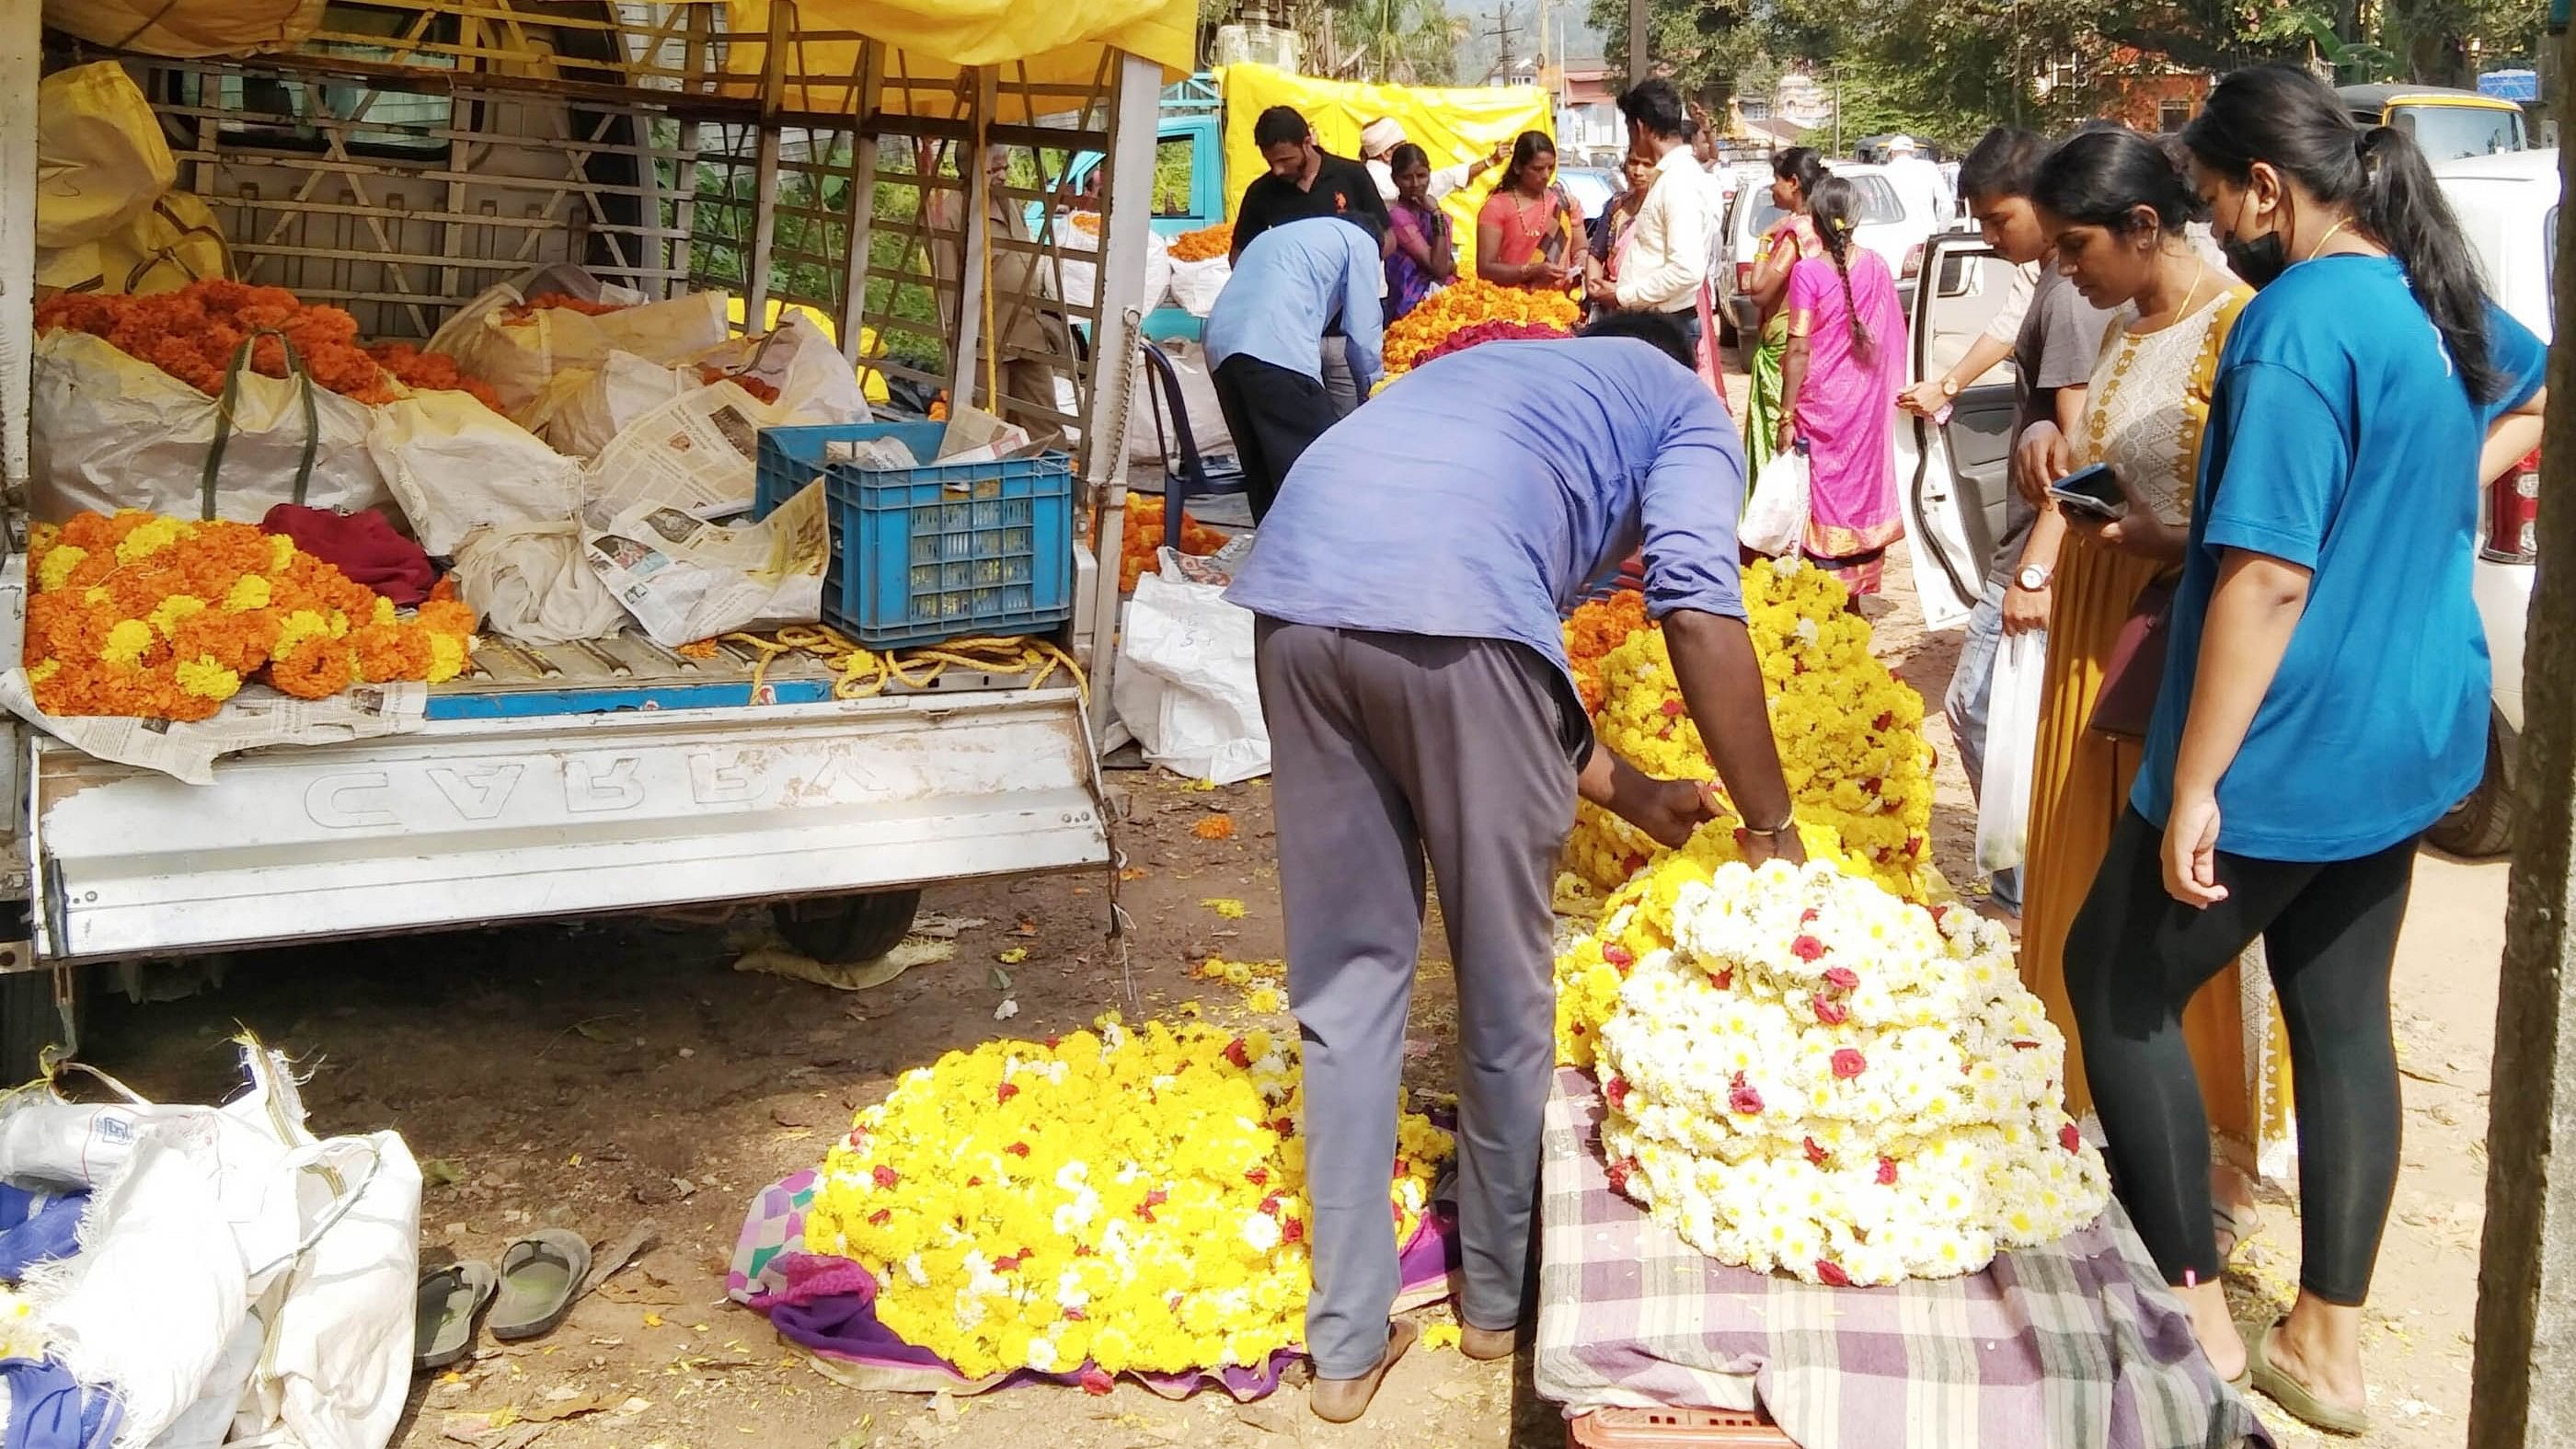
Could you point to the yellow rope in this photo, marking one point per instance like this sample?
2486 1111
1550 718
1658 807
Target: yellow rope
863 673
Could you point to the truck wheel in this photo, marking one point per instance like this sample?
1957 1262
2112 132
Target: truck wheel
846 930
2482 825
30 1022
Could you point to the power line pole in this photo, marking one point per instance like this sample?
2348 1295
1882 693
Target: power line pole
1502 33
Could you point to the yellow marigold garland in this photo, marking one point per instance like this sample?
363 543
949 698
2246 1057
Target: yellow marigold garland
164 618
1130 1199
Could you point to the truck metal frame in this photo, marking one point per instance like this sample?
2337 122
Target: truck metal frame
413 153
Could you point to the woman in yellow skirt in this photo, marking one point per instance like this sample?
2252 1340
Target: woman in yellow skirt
2115 204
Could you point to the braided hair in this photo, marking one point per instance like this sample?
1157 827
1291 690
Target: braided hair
1834 206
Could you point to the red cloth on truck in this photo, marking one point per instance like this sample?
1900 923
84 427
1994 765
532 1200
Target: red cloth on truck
362 545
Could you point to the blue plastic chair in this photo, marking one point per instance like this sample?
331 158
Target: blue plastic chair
1191 475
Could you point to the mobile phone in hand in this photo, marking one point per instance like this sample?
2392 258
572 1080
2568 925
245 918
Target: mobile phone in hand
2092 491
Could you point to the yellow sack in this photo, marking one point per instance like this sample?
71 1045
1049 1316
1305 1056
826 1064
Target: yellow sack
176 242
1450 123
100 159
187 27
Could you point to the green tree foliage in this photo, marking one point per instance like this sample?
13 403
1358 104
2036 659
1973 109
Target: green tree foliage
1949 68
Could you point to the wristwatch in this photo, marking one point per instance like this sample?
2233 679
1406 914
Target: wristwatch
1949 385
2032 578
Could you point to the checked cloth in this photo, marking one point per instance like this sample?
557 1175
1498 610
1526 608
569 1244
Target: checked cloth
2072 1346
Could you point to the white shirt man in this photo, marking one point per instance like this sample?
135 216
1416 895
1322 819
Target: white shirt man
1668 256
1919 183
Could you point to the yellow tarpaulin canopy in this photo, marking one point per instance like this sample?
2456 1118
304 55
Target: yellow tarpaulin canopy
930 42
1451 124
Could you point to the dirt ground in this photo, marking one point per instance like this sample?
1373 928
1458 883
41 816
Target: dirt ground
604 1076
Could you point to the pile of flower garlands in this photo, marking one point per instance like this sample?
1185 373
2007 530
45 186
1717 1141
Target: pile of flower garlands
1850 736
1130 1200
1206 242
160 618
1593 631
1811 1076
1418 334
192 334
1144 535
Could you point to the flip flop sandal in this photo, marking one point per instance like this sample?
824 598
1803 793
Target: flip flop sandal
2294 1396
443 1313
539 1276
2234 1227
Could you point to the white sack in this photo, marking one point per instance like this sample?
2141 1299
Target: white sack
455 465
110 431
1184 685
1198 399
1195 284
1081 268
520 358
202 1213
531 585
584 411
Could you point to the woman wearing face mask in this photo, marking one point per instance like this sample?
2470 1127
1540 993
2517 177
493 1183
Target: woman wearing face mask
1795 174
2324 697
2115 205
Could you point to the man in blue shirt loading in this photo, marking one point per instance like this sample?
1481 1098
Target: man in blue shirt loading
1265 341
1408 585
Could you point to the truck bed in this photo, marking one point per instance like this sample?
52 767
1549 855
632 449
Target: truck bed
628 671
574 780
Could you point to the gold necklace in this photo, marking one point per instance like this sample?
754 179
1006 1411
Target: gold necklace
2190 295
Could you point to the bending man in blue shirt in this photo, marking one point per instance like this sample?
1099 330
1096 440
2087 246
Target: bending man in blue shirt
1408 585
1265 341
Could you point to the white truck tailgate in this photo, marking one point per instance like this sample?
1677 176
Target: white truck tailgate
480 820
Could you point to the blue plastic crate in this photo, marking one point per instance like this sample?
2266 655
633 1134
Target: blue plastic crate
932 552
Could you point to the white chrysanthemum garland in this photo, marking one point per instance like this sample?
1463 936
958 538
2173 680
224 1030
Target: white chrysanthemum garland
1823 1080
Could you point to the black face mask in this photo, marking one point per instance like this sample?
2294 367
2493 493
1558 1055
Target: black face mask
2260 261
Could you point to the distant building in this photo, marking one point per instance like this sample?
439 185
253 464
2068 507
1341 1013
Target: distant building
1587 108
1799 99
2149 92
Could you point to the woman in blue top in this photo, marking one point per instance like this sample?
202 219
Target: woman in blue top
2324 697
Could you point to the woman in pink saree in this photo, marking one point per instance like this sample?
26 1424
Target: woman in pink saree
1838 386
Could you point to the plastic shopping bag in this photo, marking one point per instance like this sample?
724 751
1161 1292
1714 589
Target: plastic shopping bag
1775 517
2012 744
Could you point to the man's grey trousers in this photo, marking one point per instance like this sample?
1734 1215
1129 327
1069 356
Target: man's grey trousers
1385 749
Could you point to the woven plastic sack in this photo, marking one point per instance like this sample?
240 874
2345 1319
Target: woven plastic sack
520 357
100 159
174 242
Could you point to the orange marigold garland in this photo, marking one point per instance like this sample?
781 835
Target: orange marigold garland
1144 535
161 618
1206 242
557 301
1593 631
193 332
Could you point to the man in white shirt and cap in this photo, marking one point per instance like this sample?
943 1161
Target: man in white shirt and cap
1919 182
1378 140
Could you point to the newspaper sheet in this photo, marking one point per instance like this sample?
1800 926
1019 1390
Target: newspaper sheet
685 579
253 719
695 453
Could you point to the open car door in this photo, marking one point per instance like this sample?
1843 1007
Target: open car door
1954 476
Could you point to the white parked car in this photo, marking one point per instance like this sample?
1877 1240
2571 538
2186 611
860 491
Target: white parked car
2508 206
1887 227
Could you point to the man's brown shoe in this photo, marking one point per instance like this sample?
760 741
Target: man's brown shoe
1486 1344
1339 1401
